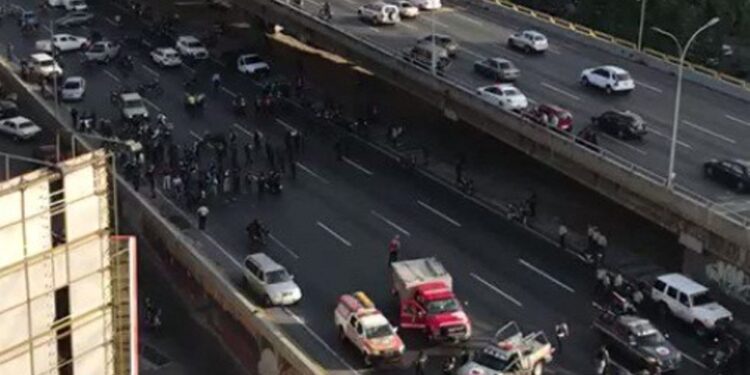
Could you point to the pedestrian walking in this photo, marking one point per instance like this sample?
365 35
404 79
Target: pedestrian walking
561 332
227 182
257 137
74 117
248 154
421 363
459 172
531 204
297 142
562 234
151 179
288 143
216 81
393 248
202 217
166 181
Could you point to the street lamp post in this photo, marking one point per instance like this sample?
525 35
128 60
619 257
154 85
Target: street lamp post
640 25
433 56
678 94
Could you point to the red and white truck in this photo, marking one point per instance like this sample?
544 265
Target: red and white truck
359 322
427 301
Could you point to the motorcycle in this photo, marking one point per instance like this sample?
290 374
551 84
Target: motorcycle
194 100
466 185
518 212
257 233
239 104
126 64
148 88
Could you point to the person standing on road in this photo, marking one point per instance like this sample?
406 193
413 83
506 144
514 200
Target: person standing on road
202 216
421 363
561 332
216 81
151 179
562 233
393 248
248 154
74 117
531 204
602 361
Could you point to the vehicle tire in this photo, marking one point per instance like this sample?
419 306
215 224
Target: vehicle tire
585 81
700 329
709 171
740 187
267 301
538 369
608 90
663 309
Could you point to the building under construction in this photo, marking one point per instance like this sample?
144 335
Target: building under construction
67 285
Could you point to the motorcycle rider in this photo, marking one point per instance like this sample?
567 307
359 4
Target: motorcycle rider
326 10
239 103
256 231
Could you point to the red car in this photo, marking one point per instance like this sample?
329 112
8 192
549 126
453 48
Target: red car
552 116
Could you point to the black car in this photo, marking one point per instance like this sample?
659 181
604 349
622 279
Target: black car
623 125
635 340
8 109
734 173
74 19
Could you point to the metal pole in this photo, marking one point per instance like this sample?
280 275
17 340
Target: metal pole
54 73
641 24
7 167
57 147
433 62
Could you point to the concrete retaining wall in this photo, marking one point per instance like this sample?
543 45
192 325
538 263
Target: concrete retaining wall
178 242
690 218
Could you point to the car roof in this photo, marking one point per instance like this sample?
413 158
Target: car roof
533 33
264 262
74 78
17 119
501 60
41 56
166 49
682 283
187 38
130 96
373 320
744 163
613 69
246 55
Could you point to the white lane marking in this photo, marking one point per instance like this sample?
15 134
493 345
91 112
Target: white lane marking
196 136
312 173
319 339
242 129
652 88
186 66
472 53
695 361
560 91
438 213
315 2
554 50
111 75
408 25
281 245
218 62
153 72
679 142
709 132
285 124
468 19
146 43
228 92
496 289
618 141
110 21
546 275
375 29
389 222
358 166
735 119
334 234
152 104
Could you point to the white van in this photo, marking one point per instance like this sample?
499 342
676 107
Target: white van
379 13
427 4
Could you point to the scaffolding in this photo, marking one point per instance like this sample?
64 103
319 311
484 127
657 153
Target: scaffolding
66 283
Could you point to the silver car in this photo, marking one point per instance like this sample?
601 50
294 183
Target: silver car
270 280
73 88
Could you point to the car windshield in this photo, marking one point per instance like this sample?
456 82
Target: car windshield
24 125
511 92
46 63
538 38
702 299
170 54
70 85
377 332
194 44
133 103
491 361
504 65
653 338
442 306
278 276
252 59
622 77
97 48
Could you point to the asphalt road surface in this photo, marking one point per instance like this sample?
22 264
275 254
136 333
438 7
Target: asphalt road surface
713 125
332 224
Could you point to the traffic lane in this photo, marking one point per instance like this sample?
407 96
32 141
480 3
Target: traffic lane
710 106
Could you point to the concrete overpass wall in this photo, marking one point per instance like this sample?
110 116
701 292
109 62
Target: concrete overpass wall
698 226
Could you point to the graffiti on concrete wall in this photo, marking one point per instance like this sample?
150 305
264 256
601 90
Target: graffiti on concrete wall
730 279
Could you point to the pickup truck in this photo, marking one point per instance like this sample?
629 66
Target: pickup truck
359 322
427 301
511 353
62 43
102 51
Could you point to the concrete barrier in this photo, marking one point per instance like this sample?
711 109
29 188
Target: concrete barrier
161 233
687 215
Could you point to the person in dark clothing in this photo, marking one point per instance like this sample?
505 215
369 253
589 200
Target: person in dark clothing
339 148
248 154
531 204
421 363
256 139
151 178
74 117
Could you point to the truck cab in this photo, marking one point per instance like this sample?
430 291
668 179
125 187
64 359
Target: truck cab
427 301
359 322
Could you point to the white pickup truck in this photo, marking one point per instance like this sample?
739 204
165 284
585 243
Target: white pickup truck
359 322
62 43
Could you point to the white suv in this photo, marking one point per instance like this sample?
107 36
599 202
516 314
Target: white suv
190 46
608 78
689 301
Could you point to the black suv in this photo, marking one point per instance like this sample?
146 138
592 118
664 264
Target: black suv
623 125
734 173
636 341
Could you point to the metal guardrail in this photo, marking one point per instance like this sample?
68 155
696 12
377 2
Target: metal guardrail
587 31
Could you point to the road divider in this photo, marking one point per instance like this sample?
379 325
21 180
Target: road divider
545 275
438 213
496 289
334 234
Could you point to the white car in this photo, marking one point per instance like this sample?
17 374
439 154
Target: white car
132 107
379 13
428 4
44 65
19 127
608 78
252 64
689 301
529 41
75 5
504 95
188 45
73 88
270 280
166 57
62 43
406 8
